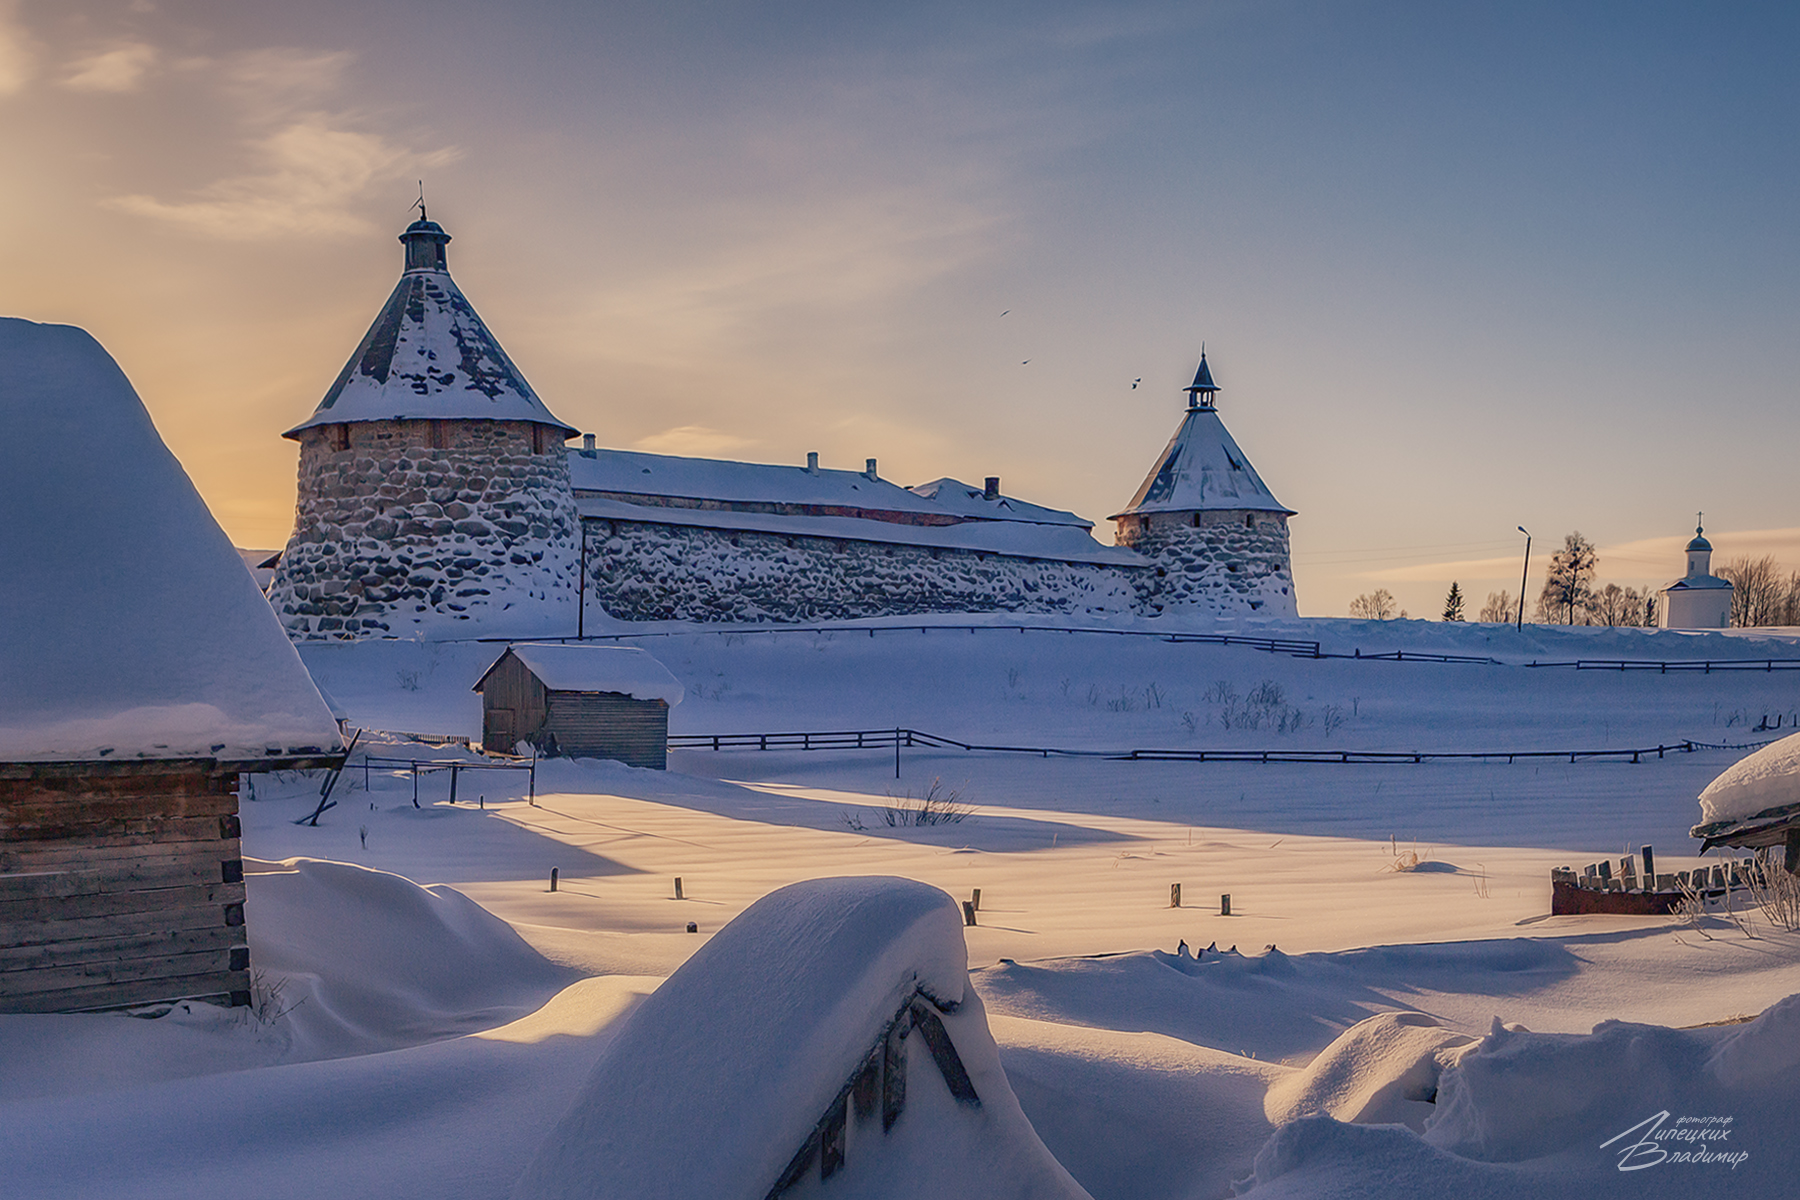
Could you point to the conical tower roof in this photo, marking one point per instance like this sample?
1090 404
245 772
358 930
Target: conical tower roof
1202 467
429 355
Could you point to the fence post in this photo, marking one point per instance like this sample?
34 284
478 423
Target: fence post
553 873
1225 905
678 894
897 760
1174 895
968 913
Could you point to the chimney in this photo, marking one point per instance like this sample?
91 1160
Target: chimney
869 471
587 442
812 462
990 490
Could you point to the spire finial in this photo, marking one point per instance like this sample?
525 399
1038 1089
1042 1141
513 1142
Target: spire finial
1699 523
1201 392
420 205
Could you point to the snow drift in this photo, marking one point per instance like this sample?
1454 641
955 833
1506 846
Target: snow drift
135 629
714 1085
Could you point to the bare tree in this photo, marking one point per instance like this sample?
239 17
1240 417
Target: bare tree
1615 605
1373 606
1568 582
1500 607
1758 592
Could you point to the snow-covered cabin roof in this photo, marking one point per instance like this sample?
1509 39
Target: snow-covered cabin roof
428 355
623 669
1766 779
169 651
817 491
1202 467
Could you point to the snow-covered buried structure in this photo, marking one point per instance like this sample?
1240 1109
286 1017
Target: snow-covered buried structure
127 709
436 496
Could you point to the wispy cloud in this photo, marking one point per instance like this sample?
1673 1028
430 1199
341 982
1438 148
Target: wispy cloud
120 69
700 440
309 176
1646 558
16 51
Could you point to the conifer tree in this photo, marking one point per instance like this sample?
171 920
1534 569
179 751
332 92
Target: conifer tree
1453 603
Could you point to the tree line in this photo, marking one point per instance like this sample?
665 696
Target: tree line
1762 594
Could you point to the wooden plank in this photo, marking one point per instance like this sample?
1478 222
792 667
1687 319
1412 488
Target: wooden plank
26 858
214 986
135 877
943 1052
831 1139
167 920
120 814
115 836
152 944
165 966
55 908
893 1071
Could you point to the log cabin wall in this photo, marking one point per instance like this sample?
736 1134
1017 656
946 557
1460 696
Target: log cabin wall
120 884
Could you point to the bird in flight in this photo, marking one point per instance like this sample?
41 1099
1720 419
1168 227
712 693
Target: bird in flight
1007 311
1135 382
1026 361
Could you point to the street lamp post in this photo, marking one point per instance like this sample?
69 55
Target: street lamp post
581 588
1524 575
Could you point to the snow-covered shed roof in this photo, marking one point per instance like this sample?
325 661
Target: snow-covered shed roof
428 355
565 668
169 651
1202 467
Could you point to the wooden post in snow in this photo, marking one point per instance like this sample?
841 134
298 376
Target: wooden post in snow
968 913
1174 895
1225 905
678 894
975 899
553 878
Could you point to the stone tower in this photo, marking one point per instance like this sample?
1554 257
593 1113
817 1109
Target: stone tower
1218 537
434 489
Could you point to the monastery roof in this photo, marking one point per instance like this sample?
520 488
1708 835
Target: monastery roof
797 491
623 669
174 653
1202 468
429 355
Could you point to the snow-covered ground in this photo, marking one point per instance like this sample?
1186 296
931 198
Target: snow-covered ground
446 1014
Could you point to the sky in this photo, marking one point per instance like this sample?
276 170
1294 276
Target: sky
1457 268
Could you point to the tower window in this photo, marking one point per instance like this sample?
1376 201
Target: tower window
339 436
1249 521
434 434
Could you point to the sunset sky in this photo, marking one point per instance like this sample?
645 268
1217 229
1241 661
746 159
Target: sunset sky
1458 268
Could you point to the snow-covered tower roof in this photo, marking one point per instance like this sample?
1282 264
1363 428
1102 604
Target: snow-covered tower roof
1202 467
168 651
428 355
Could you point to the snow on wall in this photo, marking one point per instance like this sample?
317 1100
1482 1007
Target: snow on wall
1223 565
395 536
714 1082
131 627
640 571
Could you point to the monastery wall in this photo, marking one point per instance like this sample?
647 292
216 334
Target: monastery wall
405 526
643 571
1233 561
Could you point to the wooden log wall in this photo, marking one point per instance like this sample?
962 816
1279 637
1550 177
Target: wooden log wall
120 884
608 725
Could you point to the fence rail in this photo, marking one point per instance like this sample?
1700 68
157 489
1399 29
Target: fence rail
1704 665
896 739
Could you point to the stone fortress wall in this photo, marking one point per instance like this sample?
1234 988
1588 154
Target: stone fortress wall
403 526
644 571
1224 560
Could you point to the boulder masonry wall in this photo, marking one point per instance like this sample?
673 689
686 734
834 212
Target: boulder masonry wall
1223 561
419 525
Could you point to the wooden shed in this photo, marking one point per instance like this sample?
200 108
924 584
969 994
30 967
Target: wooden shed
128 706
579 702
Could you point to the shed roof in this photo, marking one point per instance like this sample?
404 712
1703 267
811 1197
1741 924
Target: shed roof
564 668
429 355
170 653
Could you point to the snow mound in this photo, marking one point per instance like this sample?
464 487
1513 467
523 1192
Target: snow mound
1383 1070
367 960
1766 779
148 636
715 1082
1706 1111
